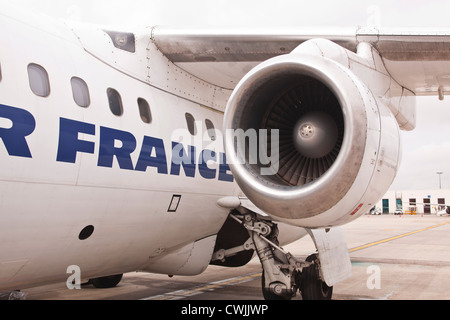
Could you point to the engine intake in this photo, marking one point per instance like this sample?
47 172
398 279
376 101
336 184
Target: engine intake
311 128
329 129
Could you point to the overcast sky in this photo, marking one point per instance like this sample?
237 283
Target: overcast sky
430 13
426 150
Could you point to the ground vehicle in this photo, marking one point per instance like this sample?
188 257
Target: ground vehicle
445 212
375 211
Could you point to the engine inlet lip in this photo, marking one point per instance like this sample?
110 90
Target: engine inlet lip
234 116
269 193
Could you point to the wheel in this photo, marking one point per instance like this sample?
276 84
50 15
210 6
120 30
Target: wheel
268 295
312 287
107 282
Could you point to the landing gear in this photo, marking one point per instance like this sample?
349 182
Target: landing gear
269 294
283 275
311 286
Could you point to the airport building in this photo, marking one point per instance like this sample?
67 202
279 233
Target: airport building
414 201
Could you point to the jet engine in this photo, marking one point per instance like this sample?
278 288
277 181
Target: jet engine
333 145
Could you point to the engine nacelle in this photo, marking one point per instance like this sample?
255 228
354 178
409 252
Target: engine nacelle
338 149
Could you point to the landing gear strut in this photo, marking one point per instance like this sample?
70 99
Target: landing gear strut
283 275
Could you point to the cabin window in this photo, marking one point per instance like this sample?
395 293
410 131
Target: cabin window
210 129
38 78
191 124
115 102
0 72
80 92
144 110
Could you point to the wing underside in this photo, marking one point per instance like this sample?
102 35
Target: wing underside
419 60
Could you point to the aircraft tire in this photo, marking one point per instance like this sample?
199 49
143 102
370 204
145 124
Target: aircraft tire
312 287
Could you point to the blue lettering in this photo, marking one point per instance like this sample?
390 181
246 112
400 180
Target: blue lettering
205 156
69 144
23 124
147 160
224 169
179 157
108 151
114 143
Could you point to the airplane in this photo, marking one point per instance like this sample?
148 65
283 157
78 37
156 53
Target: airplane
166 150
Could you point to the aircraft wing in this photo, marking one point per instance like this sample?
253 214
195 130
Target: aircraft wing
418 59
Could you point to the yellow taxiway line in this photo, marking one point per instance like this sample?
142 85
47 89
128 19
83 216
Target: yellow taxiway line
396 237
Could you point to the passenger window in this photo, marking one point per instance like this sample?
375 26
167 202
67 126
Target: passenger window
0 72
38 79
210 129
80 92
115 102
191 124
144 110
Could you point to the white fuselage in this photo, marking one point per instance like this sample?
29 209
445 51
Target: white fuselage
89 167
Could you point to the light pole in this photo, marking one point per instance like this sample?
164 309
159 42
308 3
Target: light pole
439 174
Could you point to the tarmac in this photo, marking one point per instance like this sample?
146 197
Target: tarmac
393 258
